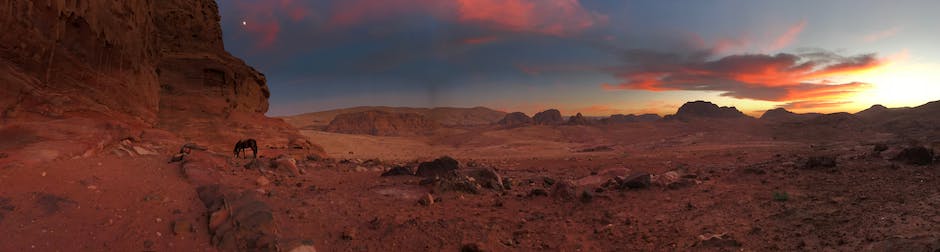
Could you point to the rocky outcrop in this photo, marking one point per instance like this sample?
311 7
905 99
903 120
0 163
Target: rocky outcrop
784 115
578 119
621 118
548 117
515 119
381 123
446 116
704 109
117 70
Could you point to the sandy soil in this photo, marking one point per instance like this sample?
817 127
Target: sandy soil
750 191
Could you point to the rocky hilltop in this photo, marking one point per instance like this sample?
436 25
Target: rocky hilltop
784 115
704 109
141 70
382 123
515 119
548 117
446 116
621 118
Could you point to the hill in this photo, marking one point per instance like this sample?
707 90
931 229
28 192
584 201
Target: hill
445 116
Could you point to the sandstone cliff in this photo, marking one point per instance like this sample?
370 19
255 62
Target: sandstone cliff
382 123
80 75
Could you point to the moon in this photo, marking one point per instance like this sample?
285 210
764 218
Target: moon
244 23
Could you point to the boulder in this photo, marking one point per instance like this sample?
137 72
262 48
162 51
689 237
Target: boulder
238 220
439 167
917 155
564 190
820 162
636 180
399 170
488 178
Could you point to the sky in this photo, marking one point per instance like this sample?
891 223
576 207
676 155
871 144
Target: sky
596 57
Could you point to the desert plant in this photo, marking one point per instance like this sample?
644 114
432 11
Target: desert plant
781 196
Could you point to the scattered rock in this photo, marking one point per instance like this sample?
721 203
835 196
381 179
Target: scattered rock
636 180
587 196
144 151
538 192
673 180
262 181
879 148
427 200
564 190
438 167
238 220
601 148
303 248
507 183
471 247
349 234
716 240
548 181
399 170
452 182
360 169
918 155
284 162
488 178
820 162
181 227
297 245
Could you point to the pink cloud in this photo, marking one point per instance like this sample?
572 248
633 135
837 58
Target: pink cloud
787 37
883 34
263 18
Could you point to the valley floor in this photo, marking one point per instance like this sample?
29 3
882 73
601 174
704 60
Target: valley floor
742 191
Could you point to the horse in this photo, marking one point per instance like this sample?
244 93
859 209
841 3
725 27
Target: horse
246 144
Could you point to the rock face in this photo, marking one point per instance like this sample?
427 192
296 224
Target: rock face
704 109
515 119
381 123
103 65
578 120
548 117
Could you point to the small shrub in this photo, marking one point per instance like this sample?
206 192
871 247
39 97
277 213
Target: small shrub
781 196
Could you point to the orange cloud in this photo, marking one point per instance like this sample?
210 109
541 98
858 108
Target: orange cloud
787 37
780 77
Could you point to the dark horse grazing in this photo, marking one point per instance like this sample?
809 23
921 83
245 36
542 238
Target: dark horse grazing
246 144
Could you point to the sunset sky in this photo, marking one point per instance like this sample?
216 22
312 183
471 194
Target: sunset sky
598 57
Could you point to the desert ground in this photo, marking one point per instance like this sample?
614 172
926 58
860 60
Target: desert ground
714 185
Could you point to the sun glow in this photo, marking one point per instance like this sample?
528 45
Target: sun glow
901 84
